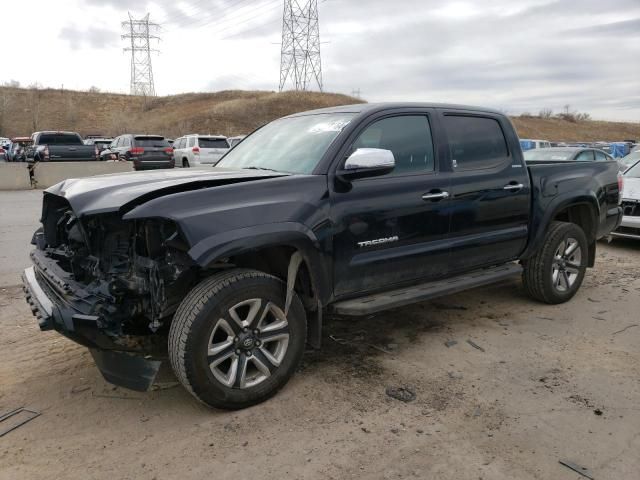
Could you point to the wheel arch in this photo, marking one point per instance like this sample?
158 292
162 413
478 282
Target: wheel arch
269 248
582 210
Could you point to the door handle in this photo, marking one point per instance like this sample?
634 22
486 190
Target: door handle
514 187
435 196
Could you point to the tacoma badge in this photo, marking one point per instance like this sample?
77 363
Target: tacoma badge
378 241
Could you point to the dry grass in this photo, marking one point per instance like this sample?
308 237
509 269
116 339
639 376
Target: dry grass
555 129
23 111
232 112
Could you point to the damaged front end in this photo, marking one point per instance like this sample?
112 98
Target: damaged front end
109 284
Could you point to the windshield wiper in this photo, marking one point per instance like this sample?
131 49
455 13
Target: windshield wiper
262 168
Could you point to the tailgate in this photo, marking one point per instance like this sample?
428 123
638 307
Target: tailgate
61 153
155 154
212 155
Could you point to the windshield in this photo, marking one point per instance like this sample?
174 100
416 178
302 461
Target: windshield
631 158
293 145
546 154
634 171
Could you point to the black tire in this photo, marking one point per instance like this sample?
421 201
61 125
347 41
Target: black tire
554 280
185 163
198 320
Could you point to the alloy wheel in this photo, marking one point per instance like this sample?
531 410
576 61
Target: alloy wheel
248 344
567 262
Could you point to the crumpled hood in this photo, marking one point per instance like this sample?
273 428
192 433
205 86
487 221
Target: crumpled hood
108 193
631 188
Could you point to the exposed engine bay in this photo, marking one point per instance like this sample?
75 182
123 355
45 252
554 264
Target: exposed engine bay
140 266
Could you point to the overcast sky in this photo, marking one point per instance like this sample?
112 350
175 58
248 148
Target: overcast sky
516 55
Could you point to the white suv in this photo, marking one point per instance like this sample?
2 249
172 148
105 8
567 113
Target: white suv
195 150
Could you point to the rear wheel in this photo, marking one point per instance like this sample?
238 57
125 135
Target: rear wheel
185 163
230 343
554 274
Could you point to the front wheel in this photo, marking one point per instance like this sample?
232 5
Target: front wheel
554 274
231 344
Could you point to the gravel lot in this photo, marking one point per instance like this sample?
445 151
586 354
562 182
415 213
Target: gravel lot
19 216
550 383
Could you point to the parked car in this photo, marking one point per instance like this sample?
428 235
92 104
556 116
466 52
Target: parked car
630 226
101 143
53 146
353 209
147 152
5 145
527 144
568 154
18 149
196 150
233 141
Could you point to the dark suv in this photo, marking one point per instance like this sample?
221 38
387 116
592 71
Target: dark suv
147 152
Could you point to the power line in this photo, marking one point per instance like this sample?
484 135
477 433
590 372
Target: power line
228 20
141 70
300 60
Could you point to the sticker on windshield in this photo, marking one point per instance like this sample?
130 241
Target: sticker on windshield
332 126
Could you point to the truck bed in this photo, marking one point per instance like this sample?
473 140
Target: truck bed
556 183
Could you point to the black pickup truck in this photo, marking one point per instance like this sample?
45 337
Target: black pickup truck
353 210
60 147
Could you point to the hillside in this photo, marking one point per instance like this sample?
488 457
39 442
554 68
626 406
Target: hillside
555 129
23 111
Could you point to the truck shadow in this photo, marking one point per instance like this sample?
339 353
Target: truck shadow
356 345
622 245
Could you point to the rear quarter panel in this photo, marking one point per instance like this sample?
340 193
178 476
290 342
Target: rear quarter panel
558 185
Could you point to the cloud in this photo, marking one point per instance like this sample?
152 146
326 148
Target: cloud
617 29
517 56
514 60
92 37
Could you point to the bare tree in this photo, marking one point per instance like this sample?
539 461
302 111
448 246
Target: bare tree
546 113
72 115
12 84
33 100
5 102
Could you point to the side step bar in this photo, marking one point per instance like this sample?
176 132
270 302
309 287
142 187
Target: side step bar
426 291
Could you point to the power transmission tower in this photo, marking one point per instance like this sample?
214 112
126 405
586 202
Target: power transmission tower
141 71
300 52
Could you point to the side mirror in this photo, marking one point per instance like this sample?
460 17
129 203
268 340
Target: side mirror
367 162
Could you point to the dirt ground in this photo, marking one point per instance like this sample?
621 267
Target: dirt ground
551 383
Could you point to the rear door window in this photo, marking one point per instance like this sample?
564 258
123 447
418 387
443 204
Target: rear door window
191 141
586 156
204 142
475 143
600 156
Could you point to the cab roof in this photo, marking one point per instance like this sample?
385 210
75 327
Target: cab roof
363 108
